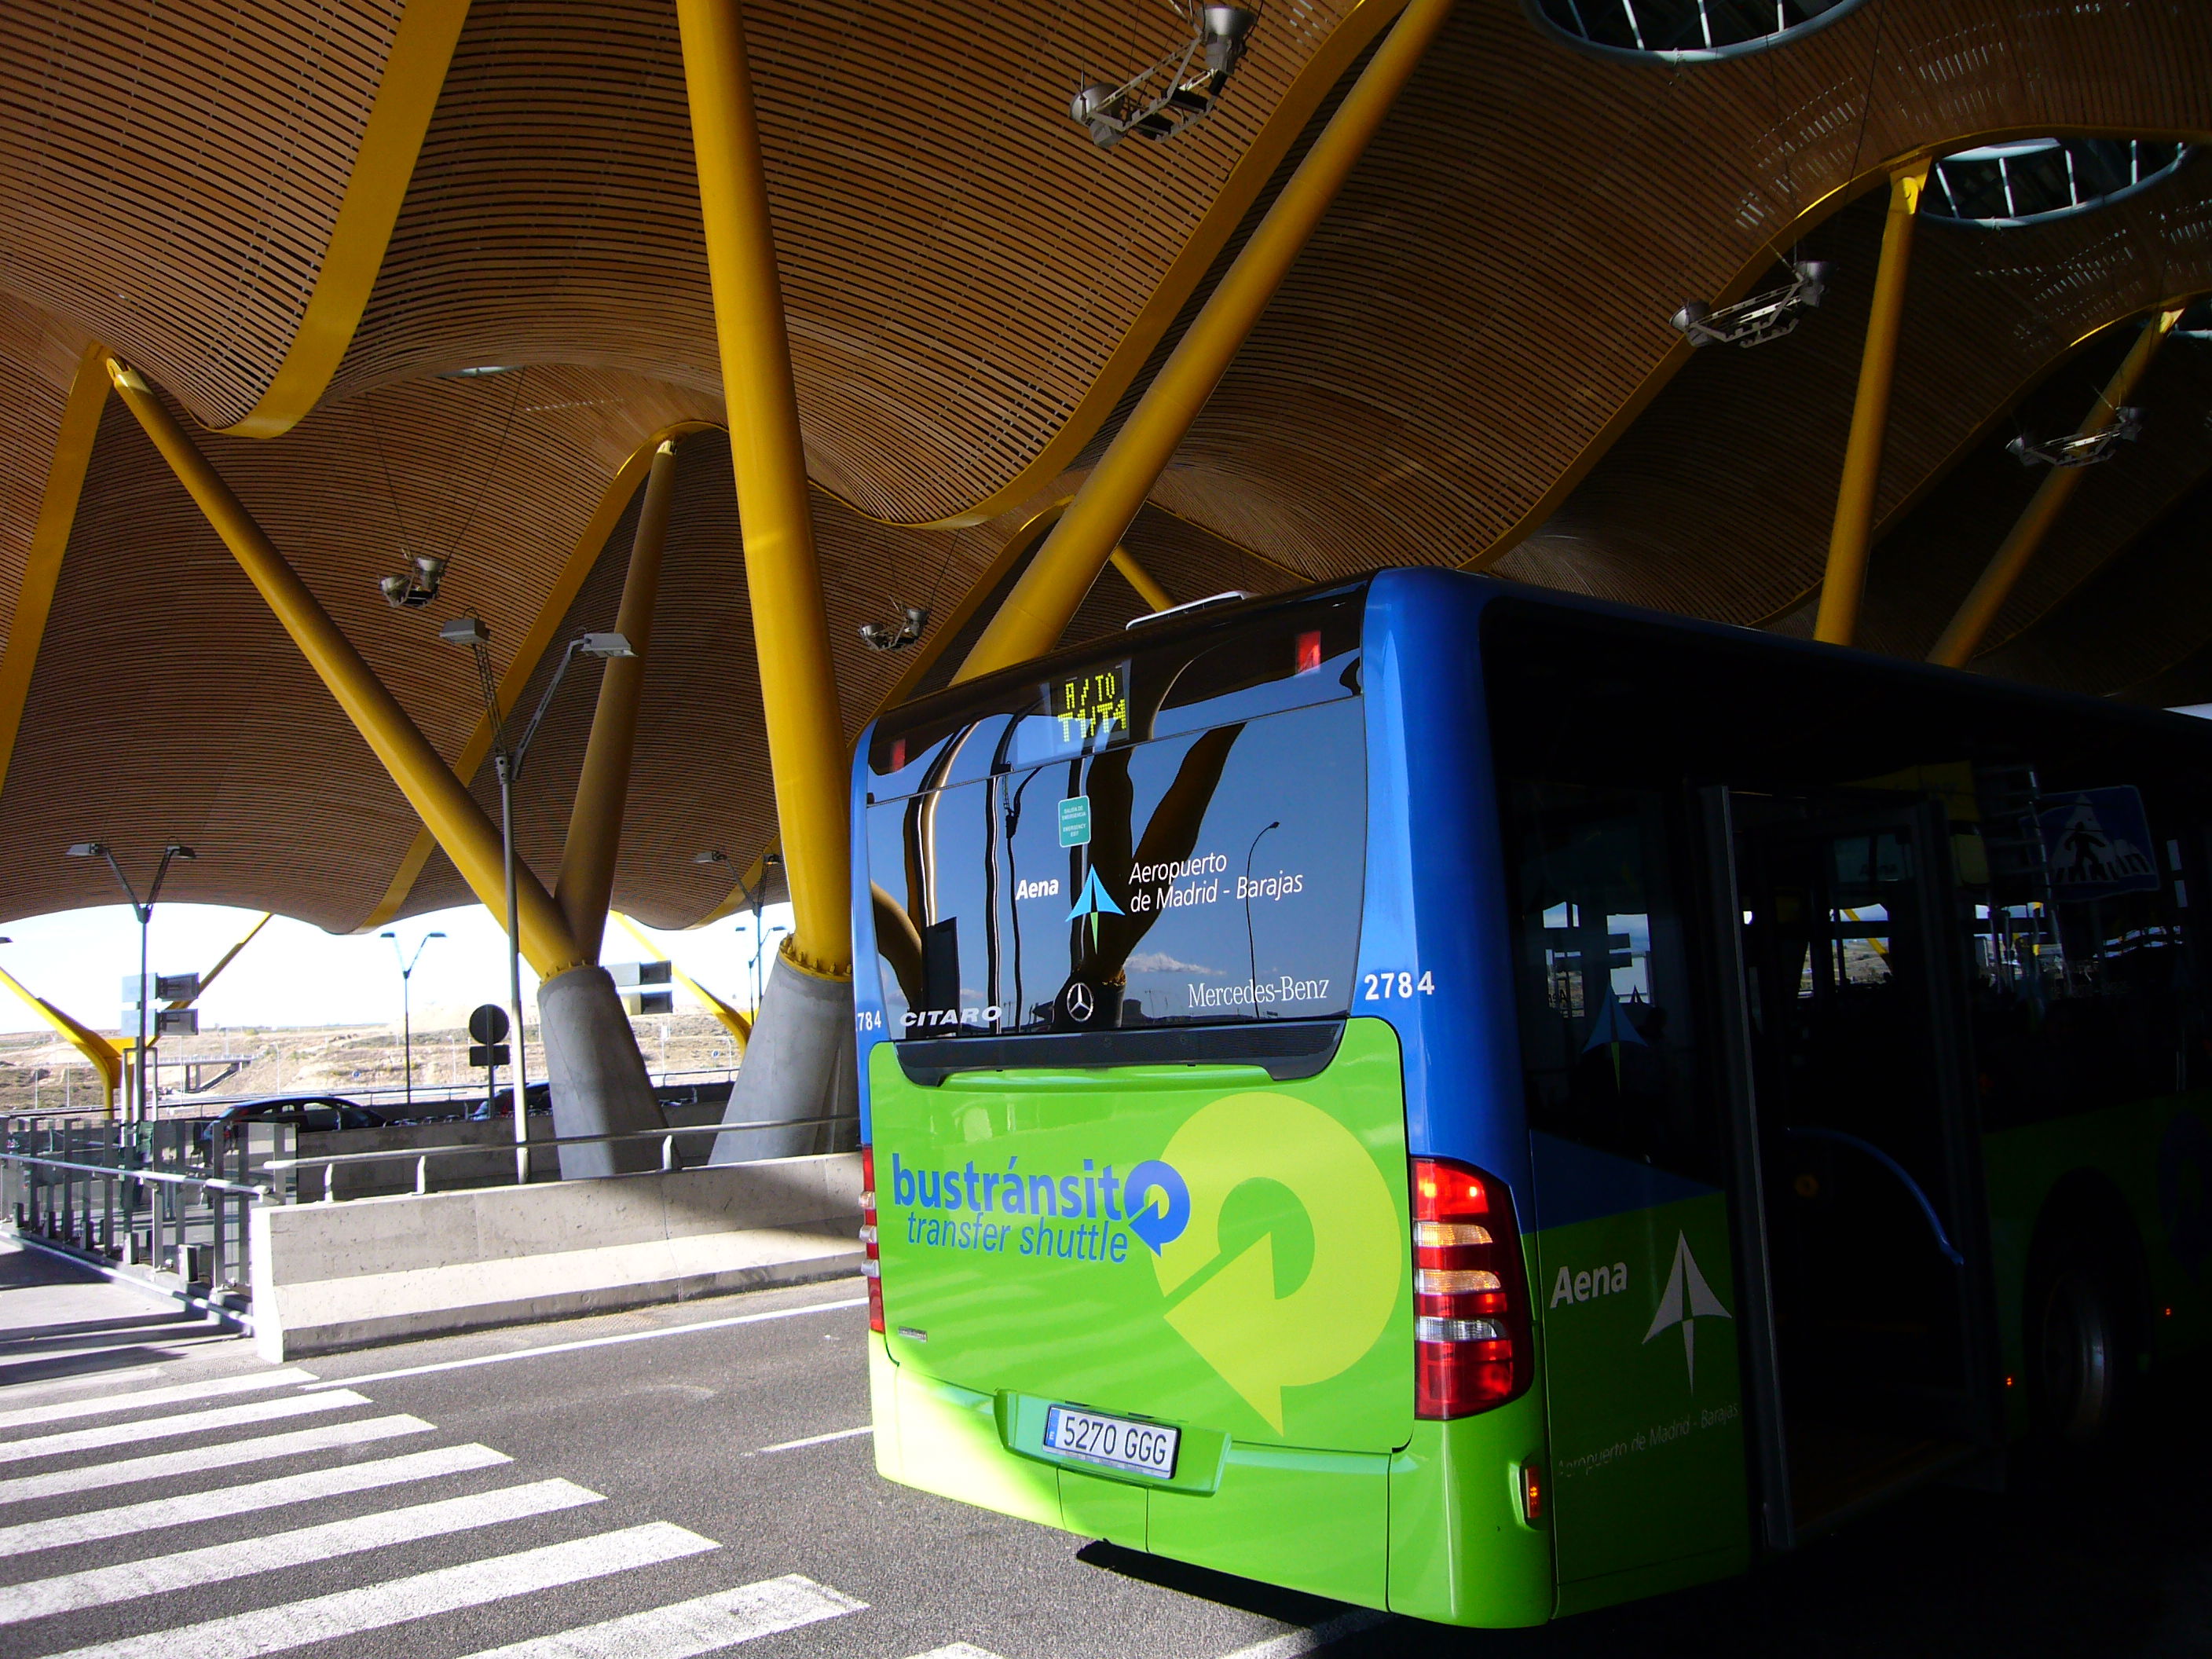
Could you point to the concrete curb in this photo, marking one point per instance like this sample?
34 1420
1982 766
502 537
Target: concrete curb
328 1277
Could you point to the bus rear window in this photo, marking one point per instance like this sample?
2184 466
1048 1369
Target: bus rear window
1209 877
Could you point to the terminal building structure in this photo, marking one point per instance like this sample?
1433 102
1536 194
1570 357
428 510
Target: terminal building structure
830 353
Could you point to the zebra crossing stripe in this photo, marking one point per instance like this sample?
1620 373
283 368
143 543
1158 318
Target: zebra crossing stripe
203 1459
162 1428
127 1581
128 1402
93 1525
706 1625
377 1607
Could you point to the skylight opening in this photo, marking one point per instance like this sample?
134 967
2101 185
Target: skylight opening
2030 180
1685 31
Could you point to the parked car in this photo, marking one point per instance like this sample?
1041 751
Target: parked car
538 1096
304 1113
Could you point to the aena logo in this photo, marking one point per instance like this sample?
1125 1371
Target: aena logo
1686 1299
1092 901
1226 1304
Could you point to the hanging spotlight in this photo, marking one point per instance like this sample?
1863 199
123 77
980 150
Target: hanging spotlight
2078 448
1164 98
896 636
1761 317
418 588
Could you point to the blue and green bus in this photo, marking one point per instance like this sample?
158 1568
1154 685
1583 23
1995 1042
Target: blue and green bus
1486 1105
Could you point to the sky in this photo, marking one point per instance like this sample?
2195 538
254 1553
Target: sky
294 973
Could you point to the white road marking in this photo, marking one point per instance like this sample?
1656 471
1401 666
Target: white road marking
162 1428
121 1522
592 1342
57 1384
200 1460
128 1402
682 1629
127 1581
816 1439
958 1650
1290 1644
377 1607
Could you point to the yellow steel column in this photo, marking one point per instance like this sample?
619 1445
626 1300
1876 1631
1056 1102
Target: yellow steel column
447 809
1140 579
791 630
1851 538
587 881
1045 598
1964 634
105 1057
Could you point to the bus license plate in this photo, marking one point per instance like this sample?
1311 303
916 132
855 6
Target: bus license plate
1146 1448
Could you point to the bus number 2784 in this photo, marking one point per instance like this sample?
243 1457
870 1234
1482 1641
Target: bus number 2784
1382 988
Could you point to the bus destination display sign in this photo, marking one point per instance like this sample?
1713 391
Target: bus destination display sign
1091 710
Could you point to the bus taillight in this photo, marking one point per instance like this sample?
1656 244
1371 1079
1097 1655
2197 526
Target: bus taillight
1471 1348
872 1267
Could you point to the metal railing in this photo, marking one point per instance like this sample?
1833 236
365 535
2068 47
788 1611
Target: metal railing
125 1193
126 1198
175 1104
286 1169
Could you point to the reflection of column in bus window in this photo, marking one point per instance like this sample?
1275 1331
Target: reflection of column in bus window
1171 834
1011 814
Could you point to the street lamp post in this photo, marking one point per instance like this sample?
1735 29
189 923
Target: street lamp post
506 765
95 850
406 1013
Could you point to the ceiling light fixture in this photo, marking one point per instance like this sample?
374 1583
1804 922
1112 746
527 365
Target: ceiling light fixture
418 587
896 636
2078 448
1761 317
1181 88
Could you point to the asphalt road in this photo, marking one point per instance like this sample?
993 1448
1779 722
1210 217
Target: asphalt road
689 1453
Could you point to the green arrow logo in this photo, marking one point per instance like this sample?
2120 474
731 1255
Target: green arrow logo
1226 1307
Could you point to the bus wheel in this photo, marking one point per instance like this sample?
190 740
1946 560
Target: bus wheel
2079 1356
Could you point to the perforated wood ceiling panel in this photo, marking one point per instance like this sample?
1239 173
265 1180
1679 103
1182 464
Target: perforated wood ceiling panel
1719 500
38 360
1927 562
1493 286
170 172
2139 628
958 260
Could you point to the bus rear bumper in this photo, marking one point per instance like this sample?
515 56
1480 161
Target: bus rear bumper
1433 1530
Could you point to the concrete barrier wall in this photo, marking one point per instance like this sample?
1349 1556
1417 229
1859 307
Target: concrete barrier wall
330 1276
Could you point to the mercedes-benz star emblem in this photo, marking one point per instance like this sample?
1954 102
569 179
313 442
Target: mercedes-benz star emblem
1078 1002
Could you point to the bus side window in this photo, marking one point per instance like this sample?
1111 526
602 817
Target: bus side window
2084 990
1604 976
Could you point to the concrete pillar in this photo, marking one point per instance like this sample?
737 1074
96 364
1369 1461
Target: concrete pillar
800 1064
597 1075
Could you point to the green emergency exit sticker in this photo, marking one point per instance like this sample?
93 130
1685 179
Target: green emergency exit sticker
1075 821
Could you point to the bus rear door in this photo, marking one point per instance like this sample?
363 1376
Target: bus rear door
1873 1210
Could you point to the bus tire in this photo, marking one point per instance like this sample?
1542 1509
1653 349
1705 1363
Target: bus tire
2081 1348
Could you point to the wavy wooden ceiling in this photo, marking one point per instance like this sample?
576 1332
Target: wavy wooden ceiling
170 174
1480 319
1492 290
958 261
1719 501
